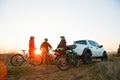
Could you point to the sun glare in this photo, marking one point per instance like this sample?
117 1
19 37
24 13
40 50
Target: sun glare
37 51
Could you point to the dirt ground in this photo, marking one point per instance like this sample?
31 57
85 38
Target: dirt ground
51 72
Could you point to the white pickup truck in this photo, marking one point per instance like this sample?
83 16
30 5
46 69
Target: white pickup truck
88 49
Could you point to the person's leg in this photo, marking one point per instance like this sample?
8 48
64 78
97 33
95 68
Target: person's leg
31 57
42 57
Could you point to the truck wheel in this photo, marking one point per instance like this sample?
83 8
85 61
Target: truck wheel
104 57
87 58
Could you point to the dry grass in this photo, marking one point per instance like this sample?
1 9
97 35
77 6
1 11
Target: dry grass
97 70
5 58
109 70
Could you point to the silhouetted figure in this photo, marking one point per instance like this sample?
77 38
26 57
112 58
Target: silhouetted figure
45 47
31 46
62 43
118 52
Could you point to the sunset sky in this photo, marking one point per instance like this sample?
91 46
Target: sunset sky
97 20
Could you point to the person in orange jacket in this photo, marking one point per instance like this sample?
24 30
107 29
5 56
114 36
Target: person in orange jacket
31 46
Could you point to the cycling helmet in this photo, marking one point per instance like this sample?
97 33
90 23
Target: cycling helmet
62 37
32 37
46 39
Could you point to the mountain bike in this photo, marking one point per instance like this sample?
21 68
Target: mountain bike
19 59
70 58
47 58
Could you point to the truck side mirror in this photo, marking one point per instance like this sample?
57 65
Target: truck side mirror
101 46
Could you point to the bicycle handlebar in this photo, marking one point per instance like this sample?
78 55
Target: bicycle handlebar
23 51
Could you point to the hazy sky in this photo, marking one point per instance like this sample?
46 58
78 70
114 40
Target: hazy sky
97 20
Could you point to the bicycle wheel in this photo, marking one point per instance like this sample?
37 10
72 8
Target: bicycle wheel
63 63
49 59
17 60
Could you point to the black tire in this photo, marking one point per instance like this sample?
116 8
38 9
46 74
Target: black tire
49 59
76 63
17 60
104 57
63 63
87 58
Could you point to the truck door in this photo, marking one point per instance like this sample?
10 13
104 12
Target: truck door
96 50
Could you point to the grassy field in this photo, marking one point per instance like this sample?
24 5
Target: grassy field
97 70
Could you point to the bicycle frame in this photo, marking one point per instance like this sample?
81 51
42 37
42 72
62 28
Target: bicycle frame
26 57
19 59
70 54
70 58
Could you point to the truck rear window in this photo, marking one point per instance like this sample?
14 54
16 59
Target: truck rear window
81 42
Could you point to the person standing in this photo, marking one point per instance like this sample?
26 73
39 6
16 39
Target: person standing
62 43
118 51
31 46
45 47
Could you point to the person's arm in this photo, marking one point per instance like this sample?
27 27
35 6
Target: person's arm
59 45
50 46
41 46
